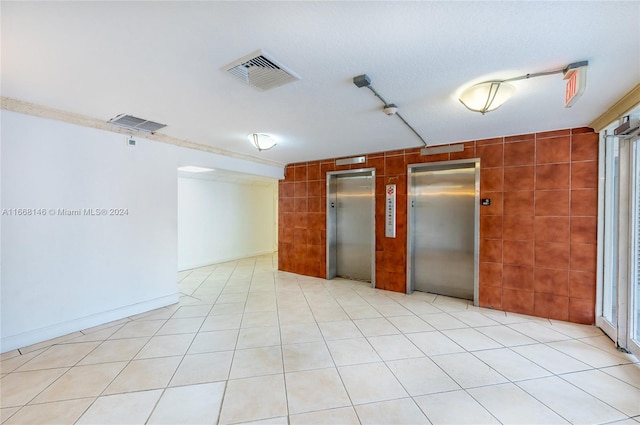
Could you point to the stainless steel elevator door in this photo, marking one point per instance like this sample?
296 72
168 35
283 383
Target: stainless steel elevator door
354 227
444 230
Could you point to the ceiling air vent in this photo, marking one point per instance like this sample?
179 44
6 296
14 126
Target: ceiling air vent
133 123
261 71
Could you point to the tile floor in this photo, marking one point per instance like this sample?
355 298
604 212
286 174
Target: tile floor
249 344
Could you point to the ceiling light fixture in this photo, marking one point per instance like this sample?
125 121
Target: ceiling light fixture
490 95
262 141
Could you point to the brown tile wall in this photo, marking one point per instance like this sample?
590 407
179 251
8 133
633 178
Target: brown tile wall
537 239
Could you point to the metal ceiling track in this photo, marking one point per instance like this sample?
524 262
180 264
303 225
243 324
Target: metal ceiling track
389 108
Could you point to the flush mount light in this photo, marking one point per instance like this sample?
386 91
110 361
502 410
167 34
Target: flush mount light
490 95
194 169
262 141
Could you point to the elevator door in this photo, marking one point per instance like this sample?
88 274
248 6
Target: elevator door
443 229
354 227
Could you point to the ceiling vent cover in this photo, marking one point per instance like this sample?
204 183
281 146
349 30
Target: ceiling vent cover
133 123
261 71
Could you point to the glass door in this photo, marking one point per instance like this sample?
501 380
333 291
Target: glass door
633 342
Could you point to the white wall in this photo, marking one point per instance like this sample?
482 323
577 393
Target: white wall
220 221
65 273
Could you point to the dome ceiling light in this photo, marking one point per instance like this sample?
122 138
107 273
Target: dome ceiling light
262 141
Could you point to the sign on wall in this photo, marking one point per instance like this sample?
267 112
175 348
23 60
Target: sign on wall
390 212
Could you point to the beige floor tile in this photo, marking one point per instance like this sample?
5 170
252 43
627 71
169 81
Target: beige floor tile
510 404
329 313
192 311
470 339
450 304
18 388
538 332
255 319
506 336
394 347
9 354
227 308
392 309
552 360
612 391
207 342
221 322
360 311
7 412
60 413
455 407
181 326
146 374
121 409
198 404
376 327
434 343
421 376
342 329
575 330
421 307
372 382
50 342
256 362
115 350
166 345
588 354
299 333
398 412
10 364
410 324
64 355
339 416
511 365
467 370
252 399
203 368
292 315
306 356
570 402
81 382
98 335
629 373
352 351
473 318
138 328
312 390
443 321
258 337
232 298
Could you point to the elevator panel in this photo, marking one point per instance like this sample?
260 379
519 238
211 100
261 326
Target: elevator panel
443 228
350 225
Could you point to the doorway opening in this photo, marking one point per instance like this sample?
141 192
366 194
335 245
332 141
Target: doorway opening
351 225
443 228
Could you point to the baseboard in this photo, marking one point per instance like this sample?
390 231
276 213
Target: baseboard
223 260
25 339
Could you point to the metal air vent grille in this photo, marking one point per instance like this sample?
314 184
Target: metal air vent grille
261 71
133 123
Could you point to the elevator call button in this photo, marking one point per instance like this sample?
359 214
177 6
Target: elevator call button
390 212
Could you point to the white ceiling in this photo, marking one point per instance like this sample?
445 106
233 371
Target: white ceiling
162 61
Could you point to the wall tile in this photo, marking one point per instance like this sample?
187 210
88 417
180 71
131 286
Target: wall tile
554 176
491 180
491 227
394 165
554 133
584 202
517 277
493 141
286 204
491 250
314 188
582 285
300 173
490 274
519 138
517 253
584 229
436 158
552 203
517 301
584 147
468 152
584 175
299 236
519 153
553 150
551 281
582 311
313 171
552 229
496 203
315 204
285 190
300 204
552 255
490 155
518 178
490 296
300 189
517 227
583 257
518 203
551 306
